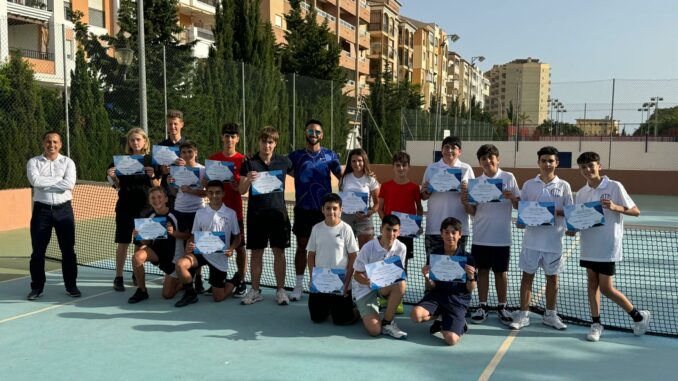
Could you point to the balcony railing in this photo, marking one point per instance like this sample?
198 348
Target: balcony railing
326 15
205 33
346 24
209 2
39 4
305 6
34 54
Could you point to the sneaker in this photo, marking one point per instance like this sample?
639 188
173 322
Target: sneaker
640 327
393 331
479 316
281 297
199 288
208 291
138 296
436 328
382 302
34 294
73 292
595 332
520 321
296 293
118 284
189 297
240 290
504 316
400 309
252 297
554 321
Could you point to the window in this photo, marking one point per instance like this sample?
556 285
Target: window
97 16
278 21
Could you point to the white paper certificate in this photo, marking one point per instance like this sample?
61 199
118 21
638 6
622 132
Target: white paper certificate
267 182
185 176
445 180
328 281
447 268
209 242
536 213
484 190
219 170
584 216
163 155
126 165
410 224
150 228
385 273
354 202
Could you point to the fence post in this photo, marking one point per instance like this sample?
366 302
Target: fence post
294 111
65 69
164 83
332 115
143 109
244 122
609 151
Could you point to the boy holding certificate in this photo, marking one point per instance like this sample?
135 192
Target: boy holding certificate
222 220
160 252
448 290
492 231
332 249
384 252
542 244
266 210
601 245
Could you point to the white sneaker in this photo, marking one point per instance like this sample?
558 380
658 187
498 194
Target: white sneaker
520 320
393 330
595 332
252 297
479 316
281 297
297 292
554 321
504 316
640 327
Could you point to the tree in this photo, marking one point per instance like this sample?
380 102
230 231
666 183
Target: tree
664 121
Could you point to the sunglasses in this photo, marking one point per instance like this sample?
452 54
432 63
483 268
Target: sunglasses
313 132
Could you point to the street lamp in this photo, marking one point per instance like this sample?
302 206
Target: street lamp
442 55
470 106
656 100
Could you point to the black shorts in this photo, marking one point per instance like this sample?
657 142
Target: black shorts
124 221
495 258
409 244
164 250
304 220
605 268
185 220
320 306
450 308
217 277
268 226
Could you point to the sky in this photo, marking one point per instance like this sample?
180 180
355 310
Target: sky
586 42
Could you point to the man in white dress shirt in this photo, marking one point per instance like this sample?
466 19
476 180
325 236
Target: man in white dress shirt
52 177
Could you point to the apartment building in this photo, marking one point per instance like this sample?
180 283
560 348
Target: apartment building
384 33
41 31
525 83
406 31
598 127
466 81
196 17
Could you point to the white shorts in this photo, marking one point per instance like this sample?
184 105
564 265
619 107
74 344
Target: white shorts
532 260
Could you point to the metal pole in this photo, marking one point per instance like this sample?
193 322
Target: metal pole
164 83
294 111
63 59
656 115
332 113
609 159
143 112
244 122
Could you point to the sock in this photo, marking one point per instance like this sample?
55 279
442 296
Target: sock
300 280
596 319
385 322
501 306
635 315
483 305
550 313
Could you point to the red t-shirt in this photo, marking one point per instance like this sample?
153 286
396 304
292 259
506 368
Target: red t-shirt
232 197
400 197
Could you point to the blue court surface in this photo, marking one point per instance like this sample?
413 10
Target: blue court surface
101 337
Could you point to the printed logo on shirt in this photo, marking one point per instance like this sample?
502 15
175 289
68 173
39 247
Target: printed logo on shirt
606 196
556 192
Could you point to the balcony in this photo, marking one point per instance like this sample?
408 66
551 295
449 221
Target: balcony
33 9
40 62
326 15
204 40
205 6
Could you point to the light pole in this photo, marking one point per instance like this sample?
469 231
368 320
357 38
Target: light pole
470 106
647 106
656 100
143 112
442 48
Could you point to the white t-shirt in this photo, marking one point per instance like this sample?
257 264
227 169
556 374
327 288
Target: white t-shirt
546 238
492 221
332 244
604 243
372 252
446 204
190 203
222 220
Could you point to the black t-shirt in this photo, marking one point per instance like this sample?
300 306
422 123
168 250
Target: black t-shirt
275 200
133 189
456 291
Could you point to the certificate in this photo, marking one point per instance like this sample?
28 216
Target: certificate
536 213
150 228
445 180
185 176
354 202
410 224
126 165
219 170
385 273
447 268
209 242
163 155
268 182
584 216
484 190
328 281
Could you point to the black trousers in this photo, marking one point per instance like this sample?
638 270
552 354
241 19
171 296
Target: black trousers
44 218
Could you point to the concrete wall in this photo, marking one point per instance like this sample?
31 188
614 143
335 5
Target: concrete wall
16 208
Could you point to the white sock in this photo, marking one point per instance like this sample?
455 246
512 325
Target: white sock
525 314
300 280
550 313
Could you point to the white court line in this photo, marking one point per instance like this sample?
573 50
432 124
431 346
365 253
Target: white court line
75 300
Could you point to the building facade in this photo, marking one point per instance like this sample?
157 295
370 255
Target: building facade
598 127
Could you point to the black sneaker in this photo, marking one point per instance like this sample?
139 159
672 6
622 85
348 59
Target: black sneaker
138 296
73 292
34 294
240 290
189 297
208 291
436 327
118 284
199 288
